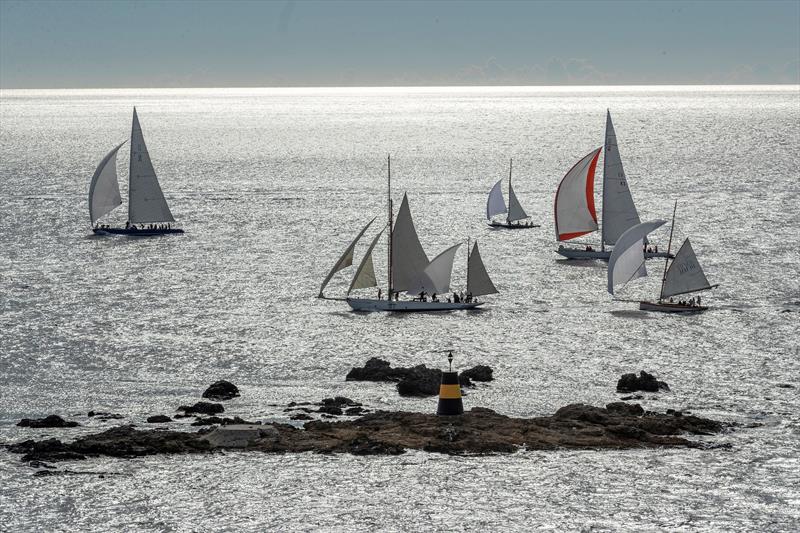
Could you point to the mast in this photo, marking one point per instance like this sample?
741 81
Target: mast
468 244
508 213
669 245
389 208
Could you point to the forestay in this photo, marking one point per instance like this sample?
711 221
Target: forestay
574 205
146 202
436 276
496 205
365 275
515 211
346 258
684 273
104 194
478 280
619 212
408 256
627 260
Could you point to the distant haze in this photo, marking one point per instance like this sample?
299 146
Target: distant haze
273 44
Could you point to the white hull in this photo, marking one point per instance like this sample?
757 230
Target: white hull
665 307
407 306
577 253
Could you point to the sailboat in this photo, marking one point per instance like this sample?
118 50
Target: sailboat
626 262
681 276
148 212
574 210
409 271
496 205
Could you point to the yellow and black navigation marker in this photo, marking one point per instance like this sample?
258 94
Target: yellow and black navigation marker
450 392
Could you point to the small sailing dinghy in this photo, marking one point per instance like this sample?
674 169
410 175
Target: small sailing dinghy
148 212
681 276
426 284
496 205
574 210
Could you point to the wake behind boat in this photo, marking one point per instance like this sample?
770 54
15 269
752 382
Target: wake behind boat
496 205
148 212
574 209
424 285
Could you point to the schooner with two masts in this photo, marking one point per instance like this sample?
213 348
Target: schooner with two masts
574 209
496 205
409 271
148 212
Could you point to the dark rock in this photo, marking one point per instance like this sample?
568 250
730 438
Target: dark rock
626 409
211 420
478 373
205 408
632 397
221 390
374 370
330 410
674 412
784 386
643 382
354 411
158 419
104 416
52 421
301 416
340 401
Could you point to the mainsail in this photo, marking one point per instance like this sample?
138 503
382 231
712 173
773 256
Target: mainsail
365 275
574 205
104 194
146 202
515 211
436 276
627 260
408 256
346 258
496 205
684 274
619 212
478 280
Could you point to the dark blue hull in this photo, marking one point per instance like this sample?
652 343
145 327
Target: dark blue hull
135 232
512 226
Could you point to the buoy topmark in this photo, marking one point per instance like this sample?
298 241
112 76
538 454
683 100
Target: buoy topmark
450 395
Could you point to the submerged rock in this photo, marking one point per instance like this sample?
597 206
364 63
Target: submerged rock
479 373
205 408
221 390
643 382
158 419
211 420
51 421
414 381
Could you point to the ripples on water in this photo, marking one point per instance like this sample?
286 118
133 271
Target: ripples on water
271 185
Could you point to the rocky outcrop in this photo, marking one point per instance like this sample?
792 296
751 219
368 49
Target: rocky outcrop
204 408
212 420
52 421
414 381
479 431
221 390
158 419
643 382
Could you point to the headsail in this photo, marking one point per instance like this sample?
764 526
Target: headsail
104 194
436 276
408 256
515 211
619 212
574 205
146 202
627 260
496 205
346 258
365 275
684 274
478 280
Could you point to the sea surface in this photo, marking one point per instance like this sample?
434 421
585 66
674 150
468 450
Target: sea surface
272 184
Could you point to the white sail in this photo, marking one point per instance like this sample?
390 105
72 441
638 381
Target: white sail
408 256
478 280
104 194
146 202
515 211
619 212
627 260
365 275
684 273
436 276
574 206
346 258
496 205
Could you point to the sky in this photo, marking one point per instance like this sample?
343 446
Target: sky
120 43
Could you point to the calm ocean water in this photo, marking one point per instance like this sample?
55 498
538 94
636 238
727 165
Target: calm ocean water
271 185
